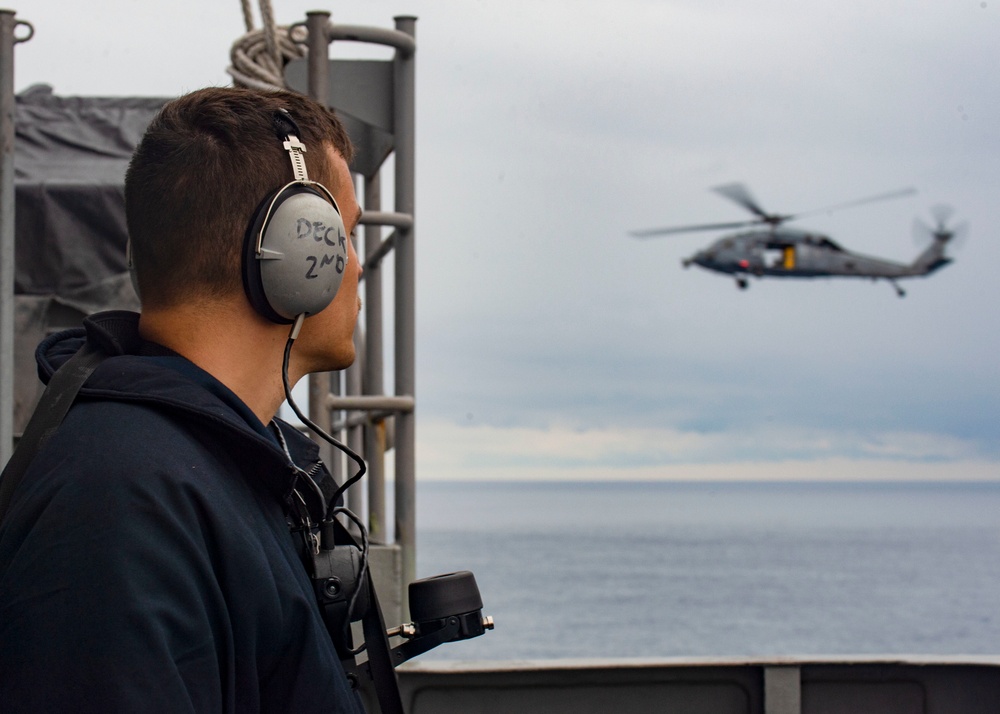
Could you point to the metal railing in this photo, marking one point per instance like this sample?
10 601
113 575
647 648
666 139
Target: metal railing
373 421
8 38
904 684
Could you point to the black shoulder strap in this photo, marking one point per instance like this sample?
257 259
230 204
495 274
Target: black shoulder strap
51 410
380 664
380 669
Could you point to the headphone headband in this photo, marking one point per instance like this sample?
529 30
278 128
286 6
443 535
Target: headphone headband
315 185
288 134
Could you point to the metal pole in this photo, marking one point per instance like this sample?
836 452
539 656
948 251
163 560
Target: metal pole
318 43
352 387
404 121
7 41
320 384
373 381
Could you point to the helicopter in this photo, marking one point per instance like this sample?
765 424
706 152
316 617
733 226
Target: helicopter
771 250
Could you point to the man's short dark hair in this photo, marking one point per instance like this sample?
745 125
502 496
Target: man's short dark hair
204 165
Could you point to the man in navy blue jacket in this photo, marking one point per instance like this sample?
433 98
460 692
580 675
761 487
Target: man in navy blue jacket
151 558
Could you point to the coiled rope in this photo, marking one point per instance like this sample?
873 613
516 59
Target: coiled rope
259 57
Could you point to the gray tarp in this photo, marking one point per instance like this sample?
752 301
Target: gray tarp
70 156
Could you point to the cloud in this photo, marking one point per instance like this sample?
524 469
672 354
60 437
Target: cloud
829 379
447 451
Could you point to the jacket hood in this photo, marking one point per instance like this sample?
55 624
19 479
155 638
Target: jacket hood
128 375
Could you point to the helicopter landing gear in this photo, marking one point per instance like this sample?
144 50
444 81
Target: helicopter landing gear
741 283
899 291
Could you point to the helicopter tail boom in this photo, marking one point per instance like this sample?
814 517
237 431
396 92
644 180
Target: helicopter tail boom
933 257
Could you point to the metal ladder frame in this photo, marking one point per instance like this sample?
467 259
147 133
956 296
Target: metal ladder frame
364 408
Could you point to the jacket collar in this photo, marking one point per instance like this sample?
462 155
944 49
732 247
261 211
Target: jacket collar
125 375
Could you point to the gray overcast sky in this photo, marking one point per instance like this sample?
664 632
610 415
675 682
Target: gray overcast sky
551 344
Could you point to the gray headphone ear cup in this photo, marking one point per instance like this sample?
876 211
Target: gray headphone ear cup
303 252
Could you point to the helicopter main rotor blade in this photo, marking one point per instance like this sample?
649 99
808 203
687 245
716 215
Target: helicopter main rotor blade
959 235
739 194
859 202
654 232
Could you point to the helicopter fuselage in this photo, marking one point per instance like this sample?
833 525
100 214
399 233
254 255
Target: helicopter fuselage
770 250
794 253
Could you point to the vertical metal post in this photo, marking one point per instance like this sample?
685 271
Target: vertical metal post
782 689
355 436
319 384
319 52
373 381
404 128
7 25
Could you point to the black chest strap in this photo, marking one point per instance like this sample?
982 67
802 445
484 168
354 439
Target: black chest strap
56 400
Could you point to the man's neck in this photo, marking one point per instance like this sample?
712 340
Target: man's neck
230 342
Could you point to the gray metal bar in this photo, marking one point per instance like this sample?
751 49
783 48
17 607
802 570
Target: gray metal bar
374 259
377 417
404 121
319 393
369 402
355 439
404 116
401 40
317 23
375 252
386 218
7 25
355 496
320 384
372 378
782 690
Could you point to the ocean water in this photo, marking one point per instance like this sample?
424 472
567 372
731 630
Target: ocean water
719 569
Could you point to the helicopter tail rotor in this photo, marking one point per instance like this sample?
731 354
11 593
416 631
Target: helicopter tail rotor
937 238
940 232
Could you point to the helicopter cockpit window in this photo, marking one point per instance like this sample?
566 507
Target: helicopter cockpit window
827 243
